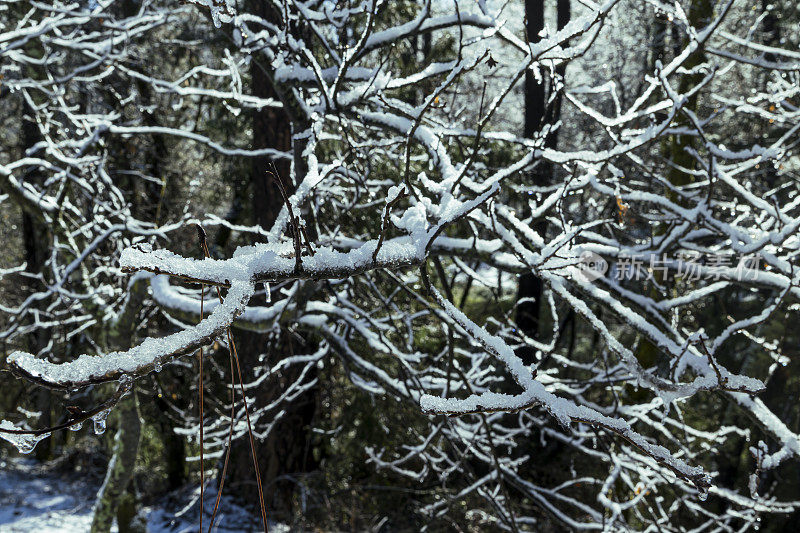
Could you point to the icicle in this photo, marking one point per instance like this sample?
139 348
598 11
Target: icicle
24 442
100 422
157 365
76 427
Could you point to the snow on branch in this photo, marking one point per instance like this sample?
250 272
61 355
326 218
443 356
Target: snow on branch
268 262
534 393
151 354
222 11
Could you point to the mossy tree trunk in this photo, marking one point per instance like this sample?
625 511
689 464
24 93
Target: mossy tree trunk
120 469
35 234
113 495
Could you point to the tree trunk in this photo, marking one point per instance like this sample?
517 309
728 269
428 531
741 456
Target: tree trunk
129 427
120 468
35 235
271 129
286 452
529 292
677 151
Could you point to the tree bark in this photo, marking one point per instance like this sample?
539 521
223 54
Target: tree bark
271 129
35 235
677 148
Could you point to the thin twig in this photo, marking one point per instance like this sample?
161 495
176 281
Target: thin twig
293 222
385 222
230 426
202 237
79 417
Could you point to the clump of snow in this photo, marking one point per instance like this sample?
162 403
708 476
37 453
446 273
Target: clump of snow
222 11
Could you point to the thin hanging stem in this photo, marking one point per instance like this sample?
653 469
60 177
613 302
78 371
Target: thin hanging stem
200 389
232 349
230 428
235 356
228 450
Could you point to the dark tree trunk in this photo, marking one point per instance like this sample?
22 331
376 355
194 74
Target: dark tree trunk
271 129
286 453
34 231
36 237
537 114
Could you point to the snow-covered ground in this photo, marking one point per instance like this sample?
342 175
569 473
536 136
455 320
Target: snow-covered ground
33 499
44 503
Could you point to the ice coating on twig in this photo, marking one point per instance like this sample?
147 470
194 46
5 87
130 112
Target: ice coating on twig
99 421
23 442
